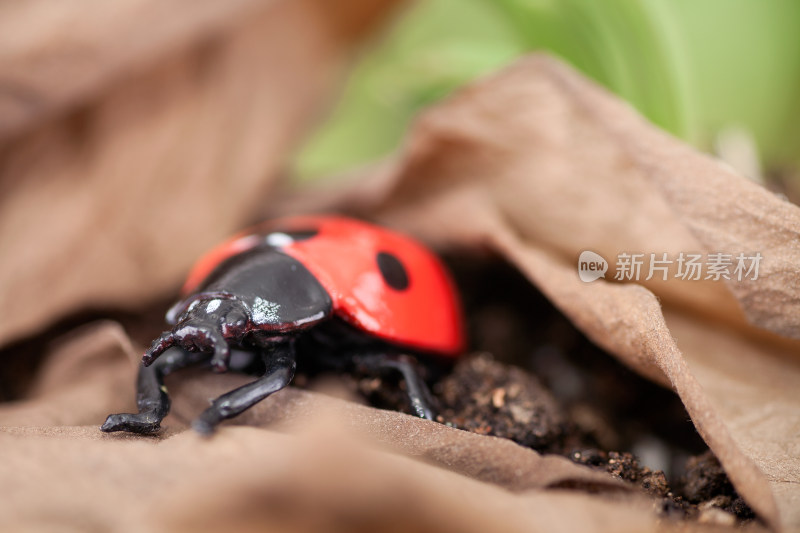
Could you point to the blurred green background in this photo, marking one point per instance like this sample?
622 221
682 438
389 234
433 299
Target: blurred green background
694 67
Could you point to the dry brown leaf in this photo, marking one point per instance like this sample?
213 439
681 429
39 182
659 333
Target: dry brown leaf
249 479
540 164
80 385
331 465
135 134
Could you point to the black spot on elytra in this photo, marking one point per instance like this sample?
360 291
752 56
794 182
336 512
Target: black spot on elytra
392 270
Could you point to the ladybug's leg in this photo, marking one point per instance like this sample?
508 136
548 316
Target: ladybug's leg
280 367
417 390
151 394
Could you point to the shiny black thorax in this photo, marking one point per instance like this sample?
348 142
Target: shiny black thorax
280 293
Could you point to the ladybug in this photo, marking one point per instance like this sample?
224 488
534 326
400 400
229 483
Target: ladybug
334 292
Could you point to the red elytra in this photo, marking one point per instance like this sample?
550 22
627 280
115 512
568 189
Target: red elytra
342 256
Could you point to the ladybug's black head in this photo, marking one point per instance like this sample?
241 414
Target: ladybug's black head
221 313
205 322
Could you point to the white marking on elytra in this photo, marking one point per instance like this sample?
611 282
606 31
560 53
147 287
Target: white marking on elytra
312 318
265 312
278 239
213 305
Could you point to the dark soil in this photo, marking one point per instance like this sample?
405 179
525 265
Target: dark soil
487 397
490 398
